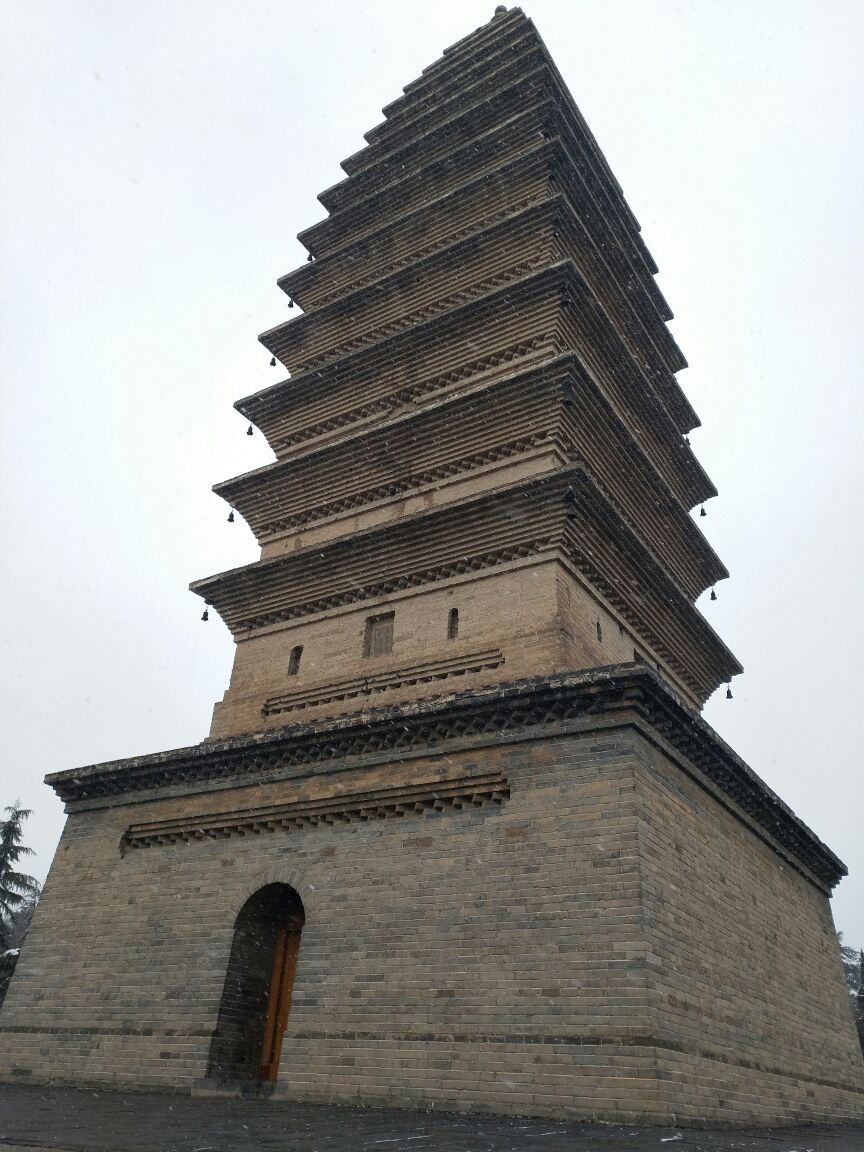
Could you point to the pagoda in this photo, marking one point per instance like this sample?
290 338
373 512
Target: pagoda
458 836
481 437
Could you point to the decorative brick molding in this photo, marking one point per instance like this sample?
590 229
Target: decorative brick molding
563 514
404 397
409 484
621 694
381 330
468 231
425 673
377 804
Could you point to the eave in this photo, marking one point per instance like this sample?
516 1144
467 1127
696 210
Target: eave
546 707
562 515
557 404
466 78
534 308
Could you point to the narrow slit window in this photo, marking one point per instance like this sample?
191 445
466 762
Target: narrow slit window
294 660
378 637
599 632
452 623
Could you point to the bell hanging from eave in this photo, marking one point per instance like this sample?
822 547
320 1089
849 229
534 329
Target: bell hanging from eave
205 615
702 511
272 361
231 516
713 594
728 691
249 431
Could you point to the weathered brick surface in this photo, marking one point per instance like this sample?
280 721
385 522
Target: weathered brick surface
746 981
516 896
607 942
553 621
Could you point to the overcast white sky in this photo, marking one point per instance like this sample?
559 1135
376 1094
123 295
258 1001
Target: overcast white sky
158 159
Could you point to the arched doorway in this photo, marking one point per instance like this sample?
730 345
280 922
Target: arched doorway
256 998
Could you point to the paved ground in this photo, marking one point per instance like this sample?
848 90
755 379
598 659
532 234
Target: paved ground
38 1119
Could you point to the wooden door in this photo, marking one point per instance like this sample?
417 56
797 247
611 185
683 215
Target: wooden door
279 1000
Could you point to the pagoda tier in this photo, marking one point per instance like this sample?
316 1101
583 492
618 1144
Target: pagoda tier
539 236
563 517
481 443
538 420
488 73
541 161
533 317
502 190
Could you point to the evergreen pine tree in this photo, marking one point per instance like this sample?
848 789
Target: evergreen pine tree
15 887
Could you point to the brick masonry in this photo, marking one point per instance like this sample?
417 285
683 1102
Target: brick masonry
609 940
555 621
533 880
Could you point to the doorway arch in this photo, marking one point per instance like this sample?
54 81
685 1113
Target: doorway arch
256 997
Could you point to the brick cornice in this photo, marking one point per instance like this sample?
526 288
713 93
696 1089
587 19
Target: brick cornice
562 514
545 707
492 419
553 307
473 790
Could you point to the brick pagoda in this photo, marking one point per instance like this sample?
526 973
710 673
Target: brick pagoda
458 835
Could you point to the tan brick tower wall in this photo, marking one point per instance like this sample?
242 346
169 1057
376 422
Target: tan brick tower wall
607 941
744 973
551 622
481 340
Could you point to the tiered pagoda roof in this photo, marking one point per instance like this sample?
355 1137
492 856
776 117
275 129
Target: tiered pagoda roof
478 297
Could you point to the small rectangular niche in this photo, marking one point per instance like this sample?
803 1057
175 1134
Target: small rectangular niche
378 636
452 623
294 660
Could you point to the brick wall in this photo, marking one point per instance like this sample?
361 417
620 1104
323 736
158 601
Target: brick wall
551 624
746 981
554 953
